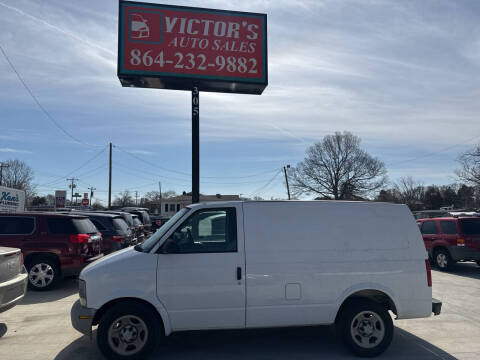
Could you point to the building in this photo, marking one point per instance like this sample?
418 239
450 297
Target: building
171 205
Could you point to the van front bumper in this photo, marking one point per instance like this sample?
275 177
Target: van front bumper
436 306
82 318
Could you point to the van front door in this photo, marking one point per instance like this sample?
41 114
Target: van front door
200 271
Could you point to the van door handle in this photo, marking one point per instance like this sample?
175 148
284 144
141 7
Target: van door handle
239 273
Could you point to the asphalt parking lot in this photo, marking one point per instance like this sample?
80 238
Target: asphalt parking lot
39 328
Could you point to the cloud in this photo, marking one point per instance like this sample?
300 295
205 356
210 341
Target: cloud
10 150
141 152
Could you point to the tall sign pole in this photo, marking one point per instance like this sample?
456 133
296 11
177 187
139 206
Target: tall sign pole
192 49
110 178
195 145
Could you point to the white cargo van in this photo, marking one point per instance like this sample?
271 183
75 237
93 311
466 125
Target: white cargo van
236 265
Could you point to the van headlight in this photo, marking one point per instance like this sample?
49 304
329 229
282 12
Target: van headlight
82 292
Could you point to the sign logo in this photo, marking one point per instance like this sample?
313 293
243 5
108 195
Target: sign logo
178 47
145 26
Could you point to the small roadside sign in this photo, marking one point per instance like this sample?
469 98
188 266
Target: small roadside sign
85 202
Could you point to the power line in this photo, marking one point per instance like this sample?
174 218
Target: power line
435 152
189 174
73 171
47 114
267 184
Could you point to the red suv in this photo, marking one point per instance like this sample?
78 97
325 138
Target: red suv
449 239
54 245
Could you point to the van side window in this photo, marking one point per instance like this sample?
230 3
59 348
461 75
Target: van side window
448 227
429 227
208 231
13 225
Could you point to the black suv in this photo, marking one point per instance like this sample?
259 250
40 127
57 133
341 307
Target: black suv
128 219
115 231
143 215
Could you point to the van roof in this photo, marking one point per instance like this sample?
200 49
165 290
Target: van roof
220 203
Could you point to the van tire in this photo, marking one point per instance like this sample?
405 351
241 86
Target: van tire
46 267
378 323
442 259
140 325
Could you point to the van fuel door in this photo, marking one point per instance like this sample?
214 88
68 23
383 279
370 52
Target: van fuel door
293 291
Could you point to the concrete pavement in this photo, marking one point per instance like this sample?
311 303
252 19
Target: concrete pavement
39 328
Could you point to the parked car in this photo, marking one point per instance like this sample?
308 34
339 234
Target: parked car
253 264
115 231
157 222
13 277
54 245
144 217
451 239
138 228
128 219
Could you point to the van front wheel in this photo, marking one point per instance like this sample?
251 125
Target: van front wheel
367 328
128 330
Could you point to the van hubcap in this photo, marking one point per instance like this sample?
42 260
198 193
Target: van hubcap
41 275
442 260
127 335
367 329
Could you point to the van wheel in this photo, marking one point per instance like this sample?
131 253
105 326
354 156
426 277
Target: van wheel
43 273
366 328
442 259
128 330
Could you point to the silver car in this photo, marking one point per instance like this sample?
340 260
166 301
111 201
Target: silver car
13 277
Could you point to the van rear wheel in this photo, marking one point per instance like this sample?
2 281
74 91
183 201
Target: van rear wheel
366 328
128 330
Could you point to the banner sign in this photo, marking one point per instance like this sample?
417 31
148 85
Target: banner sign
176 47
11 200
60 198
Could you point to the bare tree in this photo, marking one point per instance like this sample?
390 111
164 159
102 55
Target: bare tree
470 166
338 168
123 199
18 175
409 191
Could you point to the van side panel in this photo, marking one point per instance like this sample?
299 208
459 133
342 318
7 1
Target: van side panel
304 258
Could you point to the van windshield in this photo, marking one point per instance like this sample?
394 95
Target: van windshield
148 244
470 226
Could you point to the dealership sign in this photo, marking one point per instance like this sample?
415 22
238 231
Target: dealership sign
11 200
175 47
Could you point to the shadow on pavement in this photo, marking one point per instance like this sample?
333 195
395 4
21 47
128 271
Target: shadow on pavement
3 329
64 288
467 269
288 343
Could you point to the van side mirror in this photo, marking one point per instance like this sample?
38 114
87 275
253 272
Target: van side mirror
169 247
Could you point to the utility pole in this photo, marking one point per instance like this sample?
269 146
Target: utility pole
136 197
110 179
286 179
72 186
160 191
91 194
2 166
